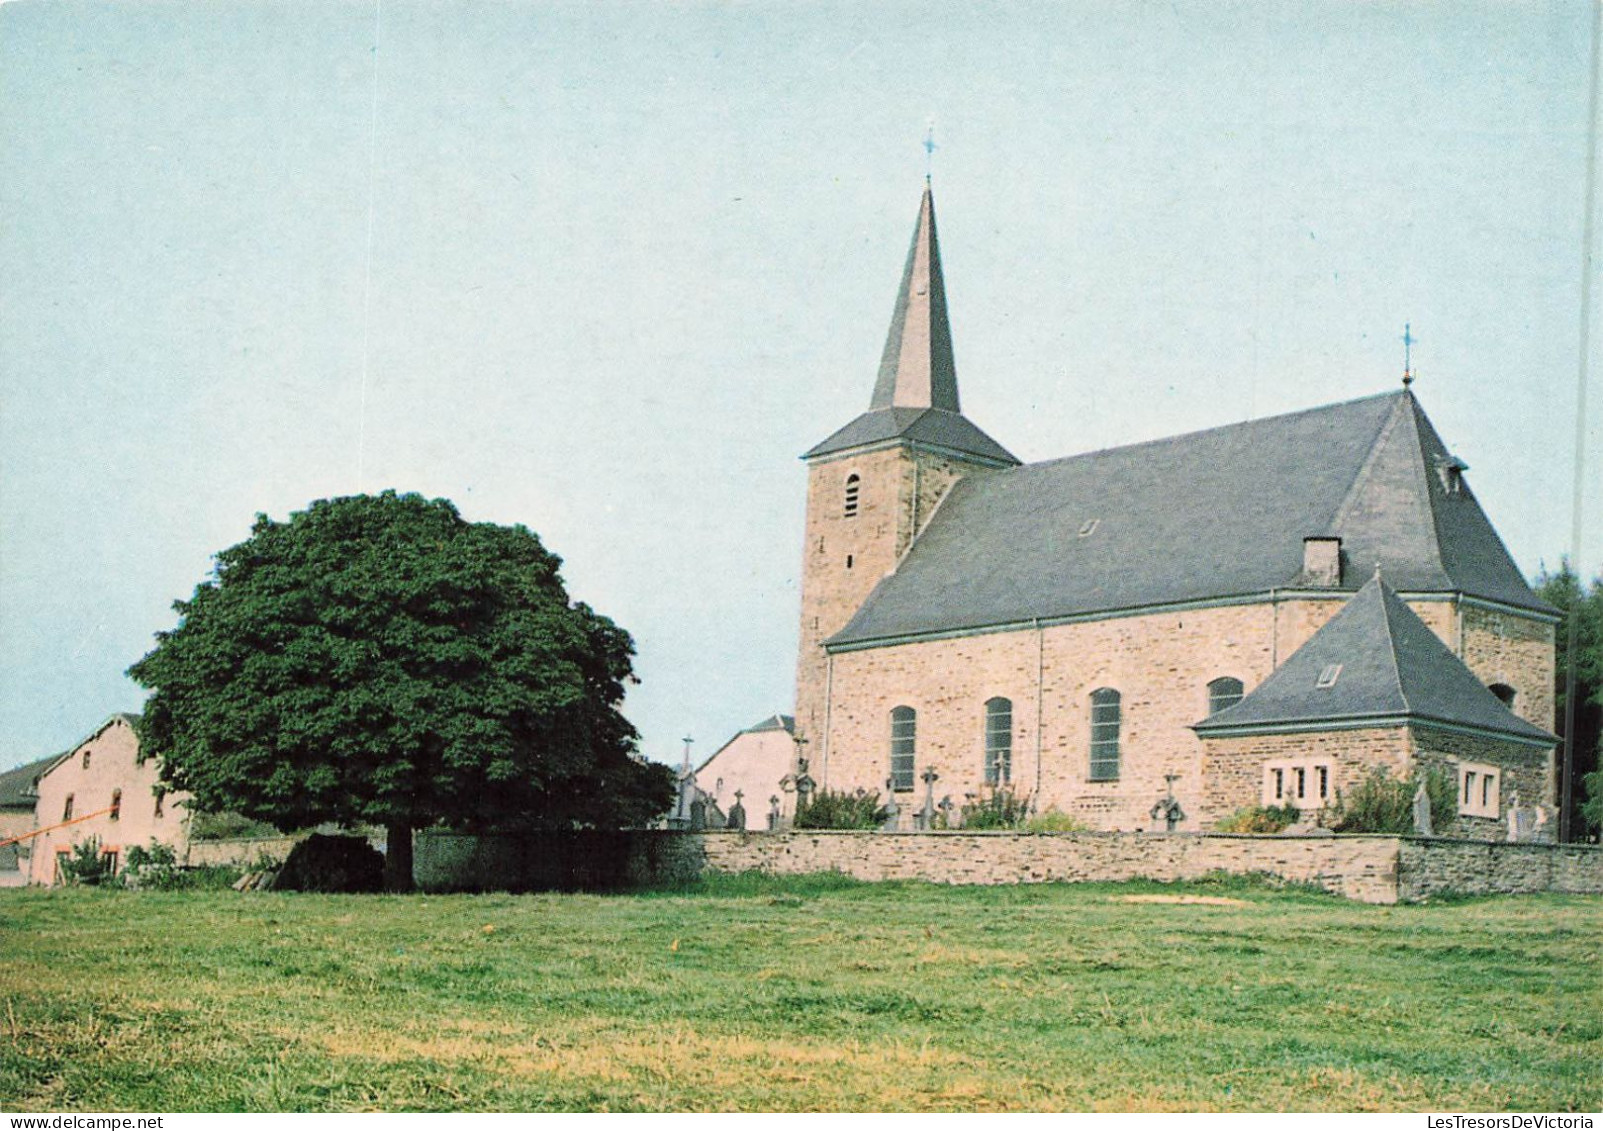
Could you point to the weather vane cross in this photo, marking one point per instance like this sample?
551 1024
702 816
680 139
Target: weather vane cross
929 149
1408 354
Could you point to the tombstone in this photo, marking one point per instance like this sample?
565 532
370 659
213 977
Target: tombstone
893 816
773 813
698 815
737 813
1422 825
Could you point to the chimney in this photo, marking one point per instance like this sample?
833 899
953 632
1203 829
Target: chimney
1321 563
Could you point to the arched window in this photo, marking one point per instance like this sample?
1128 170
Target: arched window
1504 692
1223 692
66 810
1104 735
904 722
853 485
116 804
998 741
86 754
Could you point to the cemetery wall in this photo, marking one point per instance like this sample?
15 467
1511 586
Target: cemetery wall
1371 869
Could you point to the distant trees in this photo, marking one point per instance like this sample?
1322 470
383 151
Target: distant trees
378 659
1584 606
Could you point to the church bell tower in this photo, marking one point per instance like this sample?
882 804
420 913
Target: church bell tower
873 484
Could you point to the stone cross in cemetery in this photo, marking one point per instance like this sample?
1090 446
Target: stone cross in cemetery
926 815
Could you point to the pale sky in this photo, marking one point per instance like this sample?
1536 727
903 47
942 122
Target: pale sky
628 261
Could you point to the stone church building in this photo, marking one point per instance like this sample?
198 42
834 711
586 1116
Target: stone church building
1256 613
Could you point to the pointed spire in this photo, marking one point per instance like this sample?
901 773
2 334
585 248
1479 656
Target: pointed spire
916 370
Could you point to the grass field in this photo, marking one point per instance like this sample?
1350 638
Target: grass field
808 994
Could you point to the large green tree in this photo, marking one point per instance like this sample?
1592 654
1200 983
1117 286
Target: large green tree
1582 609
380 660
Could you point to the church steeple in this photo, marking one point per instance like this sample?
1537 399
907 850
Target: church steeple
873 484
916 369
915 394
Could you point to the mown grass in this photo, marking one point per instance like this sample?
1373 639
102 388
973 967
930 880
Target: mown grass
758 994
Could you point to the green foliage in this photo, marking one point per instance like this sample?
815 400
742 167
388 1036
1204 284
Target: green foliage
85 865
1581 608
1053 821
1381 803
999 809
377 659
1260 819
832 809
1592 807
154 867
227 826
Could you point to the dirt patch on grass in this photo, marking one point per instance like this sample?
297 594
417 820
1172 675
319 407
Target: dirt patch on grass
1209 900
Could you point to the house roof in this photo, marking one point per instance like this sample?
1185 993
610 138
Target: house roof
915 394
1374 660
1206 516
16 785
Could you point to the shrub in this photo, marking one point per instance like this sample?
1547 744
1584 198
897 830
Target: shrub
85 865
1002 809
1381 803
332 864
829 809
154 867
1053 821
1260 819
1592 807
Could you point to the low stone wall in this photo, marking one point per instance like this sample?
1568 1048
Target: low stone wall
245 851
1362 868
1431 867
242 851
1371 869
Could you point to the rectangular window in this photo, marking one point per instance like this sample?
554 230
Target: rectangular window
1305 783
1479 790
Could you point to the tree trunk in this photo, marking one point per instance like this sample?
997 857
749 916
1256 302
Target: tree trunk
398 857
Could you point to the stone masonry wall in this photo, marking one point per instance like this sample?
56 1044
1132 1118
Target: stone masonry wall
1160 663
1371 869
1361 868
1433 867
1526 770
1233 768
1515 650
843 557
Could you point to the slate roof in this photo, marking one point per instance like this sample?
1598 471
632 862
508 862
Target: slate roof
16 785
773 722
1206 516
1382 663
915 393
930 426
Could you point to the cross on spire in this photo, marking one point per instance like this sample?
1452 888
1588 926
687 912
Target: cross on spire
1408 355
929 149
